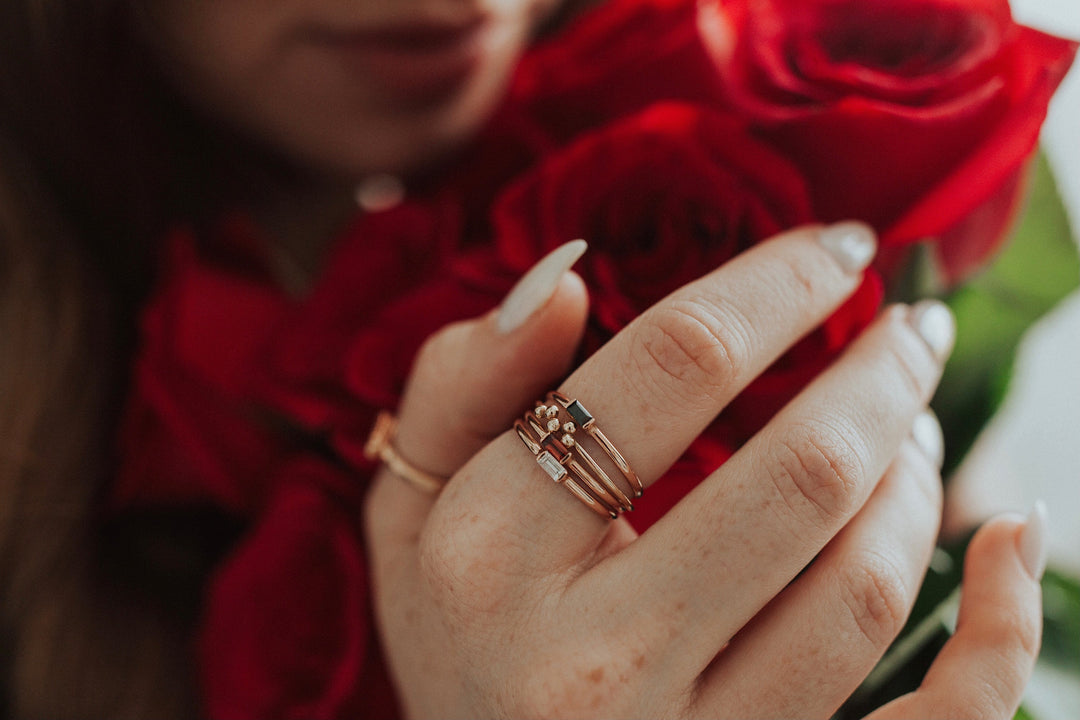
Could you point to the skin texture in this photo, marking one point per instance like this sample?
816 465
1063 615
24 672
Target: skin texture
502 596
282 71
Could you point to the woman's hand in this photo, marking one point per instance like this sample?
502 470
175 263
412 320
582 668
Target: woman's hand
505 597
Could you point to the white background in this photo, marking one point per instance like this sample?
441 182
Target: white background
1032 449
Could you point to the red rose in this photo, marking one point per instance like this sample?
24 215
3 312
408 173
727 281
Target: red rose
380 257
287 627
613 61
187 435
664 197
914 115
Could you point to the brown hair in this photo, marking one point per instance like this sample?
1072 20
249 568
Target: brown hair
97 157
94 160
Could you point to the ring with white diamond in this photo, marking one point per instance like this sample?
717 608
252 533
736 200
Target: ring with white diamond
560 464
583 419
556 419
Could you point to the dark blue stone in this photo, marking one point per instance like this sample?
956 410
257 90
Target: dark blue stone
579 413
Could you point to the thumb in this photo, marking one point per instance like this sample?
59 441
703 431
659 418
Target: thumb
472 378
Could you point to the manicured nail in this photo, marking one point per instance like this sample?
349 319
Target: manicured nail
1033 541
926 432
534 290
852 244
934 322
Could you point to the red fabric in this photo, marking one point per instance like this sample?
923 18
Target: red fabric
672 139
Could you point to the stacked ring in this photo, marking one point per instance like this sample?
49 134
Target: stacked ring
587 422
549 432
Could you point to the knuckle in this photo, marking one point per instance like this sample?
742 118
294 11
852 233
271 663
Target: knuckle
686 342
1014 637
448 568
923 475
459 568
813 279
877 597
817 469
438 564
995 691
909 359
979 699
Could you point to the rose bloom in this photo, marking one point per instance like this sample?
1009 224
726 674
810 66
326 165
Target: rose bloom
917 116
664 196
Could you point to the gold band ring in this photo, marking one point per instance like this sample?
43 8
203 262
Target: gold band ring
380 447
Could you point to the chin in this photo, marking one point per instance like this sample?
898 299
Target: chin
405 143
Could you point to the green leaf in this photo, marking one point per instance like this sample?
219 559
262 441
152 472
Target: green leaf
1037 269
1061 621
1022 713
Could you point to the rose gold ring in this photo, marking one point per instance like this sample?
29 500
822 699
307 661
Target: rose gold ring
380 446
550 431
559 463
580 418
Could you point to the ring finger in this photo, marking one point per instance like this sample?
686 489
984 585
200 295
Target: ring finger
674 368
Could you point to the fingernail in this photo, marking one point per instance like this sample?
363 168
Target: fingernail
926 432
933 321
534 290
1033 541
852 244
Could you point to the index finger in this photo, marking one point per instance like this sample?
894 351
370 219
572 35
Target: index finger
656 385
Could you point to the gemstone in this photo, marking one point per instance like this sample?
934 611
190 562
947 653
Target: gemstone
551 466
552 411
540 410
569 427
580 415
568 440
558 449
553 424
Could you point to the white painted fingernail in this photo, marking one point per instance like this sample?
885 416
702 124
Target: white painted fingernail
852 244
934 322
1032 545
534 290
926 432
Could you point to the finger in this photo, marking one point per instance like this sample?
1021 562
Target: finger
983 669
720 555
656 385
825 632
471 379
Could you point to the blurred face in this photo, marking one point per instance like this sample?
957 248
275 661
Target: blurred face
346 86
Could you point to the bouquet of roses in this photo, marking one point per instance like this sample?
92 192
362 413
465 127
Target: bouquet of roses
672 135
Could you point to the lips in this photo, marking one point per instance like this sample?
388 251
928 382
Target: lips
414 63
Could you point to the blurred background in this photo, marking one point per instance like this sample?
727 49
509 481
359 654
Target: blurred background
1032 448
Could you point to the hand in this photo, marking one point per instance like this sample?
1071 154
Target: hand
504 597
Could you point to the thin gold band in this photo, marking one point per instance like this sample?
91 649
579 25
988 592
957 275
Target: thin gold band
380 446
